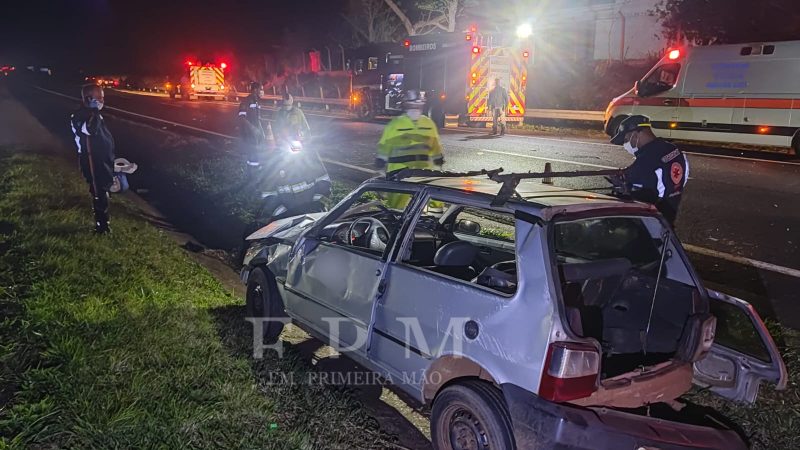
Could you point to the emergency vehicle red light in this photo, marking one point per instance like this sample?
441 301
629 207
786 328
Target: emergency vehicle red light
476 50
525 54
474 75
674 54
468 37
406 43
473 28
223 65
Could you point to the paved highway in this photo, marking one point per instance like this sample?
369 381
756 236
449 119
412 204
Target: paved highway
739 216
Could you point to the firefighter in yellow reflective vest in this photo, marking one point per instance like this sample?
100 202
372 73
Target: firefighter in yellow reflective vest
410 141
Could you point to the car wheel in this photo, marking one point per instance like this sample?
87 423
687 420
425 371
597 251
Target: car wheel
264 301
613 124
471 416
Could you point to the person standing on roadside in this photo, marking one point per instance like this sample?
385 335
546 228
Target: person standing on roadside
250 128
95 152
660 171
498 102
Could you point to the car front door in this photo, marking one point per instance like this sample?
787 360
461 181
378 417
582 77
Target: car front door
743 353
334 272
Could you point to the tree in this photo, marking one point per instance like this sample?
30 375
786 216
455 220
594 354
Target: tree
729 21
372 21
429 15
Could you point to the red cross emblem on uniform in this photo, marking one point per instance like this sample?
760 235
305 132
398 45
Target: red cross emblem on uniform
676 173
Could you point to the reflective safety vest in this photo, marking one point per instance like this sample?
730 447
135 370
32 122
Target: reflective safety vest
408 143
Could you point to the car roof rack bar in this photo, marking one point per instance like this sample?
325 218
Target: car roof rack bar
401 174
510 181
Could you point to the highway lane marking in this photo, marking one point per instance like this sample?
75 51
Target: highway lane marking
788 271
598 166
706 155
214 133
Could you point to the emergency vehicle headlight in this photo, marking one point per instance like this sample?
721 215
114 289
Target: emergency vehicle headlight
295 146
524 30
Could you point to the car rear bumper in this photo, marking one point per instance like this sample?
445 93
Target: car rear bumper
539 423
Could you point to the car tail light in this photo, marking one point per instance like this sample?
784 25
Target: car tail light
570 371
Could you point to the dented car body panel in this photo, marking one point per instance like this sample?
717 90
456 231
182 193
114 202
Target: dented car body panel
420 326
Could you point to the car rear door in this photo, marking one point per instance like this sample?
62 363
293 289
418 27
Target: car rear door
743 354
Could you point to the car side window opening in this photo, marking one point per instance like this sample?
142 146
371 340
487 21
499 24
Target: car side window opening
468 244
368 223
609 269
663 78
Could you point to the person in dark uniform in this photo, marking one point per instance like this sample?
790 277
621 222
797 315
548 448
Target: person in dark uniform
95 152
250 128
660 171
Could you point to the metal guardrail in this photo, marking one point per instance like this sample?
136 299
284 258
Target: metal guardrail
329 104
568 114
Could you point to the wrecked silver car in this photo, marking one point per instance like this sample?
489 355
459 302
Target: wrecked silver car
527 316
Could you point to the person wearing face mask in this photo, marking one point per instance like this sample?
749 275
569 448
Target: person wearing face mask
409 141
290 122
95 152
660 171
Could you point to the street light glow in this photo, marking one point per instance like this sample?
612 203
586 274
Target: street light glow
524 30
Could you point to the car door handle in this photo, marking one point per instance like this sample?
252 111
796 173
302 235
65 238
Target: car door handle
668 101
382 287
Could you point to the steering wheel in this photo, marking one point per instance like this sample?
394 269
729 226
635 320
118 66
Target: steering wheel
374 237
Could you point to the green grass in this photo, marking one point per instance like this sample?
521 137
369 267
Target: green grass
223 181
122 341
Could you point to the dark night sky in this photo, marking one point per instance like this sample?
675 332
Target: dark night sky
132 35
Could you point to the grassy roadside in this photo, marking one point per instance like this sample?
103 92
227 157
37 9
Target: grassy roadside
223 181
123 341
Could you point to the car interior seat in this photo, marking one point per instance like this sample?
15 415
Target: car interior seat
455 259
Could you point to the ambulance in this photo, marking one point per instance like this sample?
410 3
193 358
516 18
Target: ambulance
200 80
740 94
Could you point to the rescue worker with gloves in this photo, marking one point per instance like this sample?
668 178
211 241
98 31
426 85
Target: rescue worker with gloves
660 171
290 122
250 129
95 152
410 141
498 102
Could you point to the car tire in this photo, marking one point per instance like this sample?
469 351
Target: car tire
364 110
264 301
471 415
613 124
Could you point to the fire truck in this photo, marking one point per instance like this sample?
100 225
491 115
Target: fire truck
455 71
199 80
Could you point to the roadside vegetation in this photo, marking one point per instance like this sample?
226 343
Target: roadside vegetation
122 341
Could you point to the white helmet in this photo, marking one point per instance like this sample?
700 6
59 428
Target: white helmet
413 100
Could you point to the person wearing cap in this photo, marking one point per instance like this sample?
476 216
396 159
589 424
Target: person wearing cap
498 102
290 121
409 141
250 128
95 152
660 171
